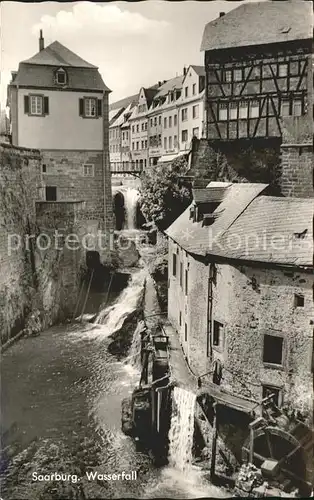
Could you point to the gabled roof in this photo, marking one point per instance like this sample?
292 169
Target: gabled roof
150 94
250 226
172 84
120 119
273 230
201 240
258 23
200 70
58 55
123 103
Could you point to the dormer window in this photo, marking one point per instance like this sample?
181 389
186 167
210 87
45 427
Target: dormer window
61 77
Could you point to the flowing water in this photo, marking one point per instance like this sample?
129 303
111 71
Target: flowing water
131 198
181 428
61 412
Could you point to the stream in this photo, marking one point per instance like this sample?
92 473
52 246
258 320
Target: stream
61 398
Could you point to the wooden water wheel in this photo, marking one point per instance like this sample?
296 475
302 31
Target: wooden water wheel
283 452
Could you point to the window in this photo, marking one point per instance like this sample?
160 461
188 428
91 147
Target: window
170 121
297 107
285 107
181 274
174 264
195 132
233 112
185 332
175 120
238 75
151 122
227 75
165 142
90 107
186 91
36 105
142 145
137 128
184 135
254 109
155 121
175 141
88 170
184 114
222 112
44 168
61 76
180 318
143 127
195 111
133 145
243 110
145 163
145 143
273 349
165 122
283 69
51 193
137 145
194 88
298 300
217 333
159 120
170 142
276 392
133 128
186 281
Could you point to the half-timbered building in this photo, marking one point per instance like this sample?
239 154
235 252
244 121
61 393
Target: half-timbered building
259 79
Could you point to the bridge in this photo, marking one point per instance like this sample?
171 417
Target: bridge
134 168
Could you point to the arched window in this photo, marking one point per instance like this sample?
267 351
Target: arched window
61 76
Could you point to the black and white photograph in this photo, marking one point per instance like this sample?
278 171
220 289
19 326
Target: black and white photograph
156 249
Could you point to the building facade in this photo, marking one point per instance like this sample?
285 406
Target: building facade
59 105
259 83
240 292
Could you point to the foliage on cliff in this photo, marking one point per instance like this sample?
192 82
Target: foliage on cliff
158 269
165 194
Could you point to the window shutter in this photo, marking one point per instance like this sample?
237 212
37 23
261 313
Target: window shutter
99 107
81 107
26 104
46 105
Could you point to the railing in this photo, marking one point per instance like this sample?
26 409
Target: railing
127 167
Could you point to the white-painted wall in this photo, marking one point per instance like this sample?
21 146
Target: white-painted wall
63 128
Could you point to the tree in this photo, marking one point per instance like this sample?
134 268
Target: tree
165 194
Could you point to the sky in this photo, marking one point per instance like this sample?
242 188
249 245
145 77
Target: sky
133 44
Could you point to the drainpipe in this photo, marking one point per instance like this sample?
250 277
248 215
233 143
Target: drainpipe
210 313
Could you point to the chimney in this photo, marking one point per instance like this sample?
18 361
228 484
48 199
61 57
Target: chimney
221 14
184 71
41 41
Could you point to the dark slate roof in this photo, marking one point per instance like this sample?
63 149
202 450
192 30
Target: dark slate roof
273 230
206 195
150 94
196 238
200 70
258 23
123 103
42 76
251 227
172 84
58 55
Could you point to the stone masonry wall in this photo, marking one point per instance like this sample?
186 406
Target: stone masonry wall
32 277
248 302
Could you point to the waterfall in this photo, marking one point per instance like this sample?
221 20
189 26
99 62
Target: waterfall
110 319
134 357
181 429
131 197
